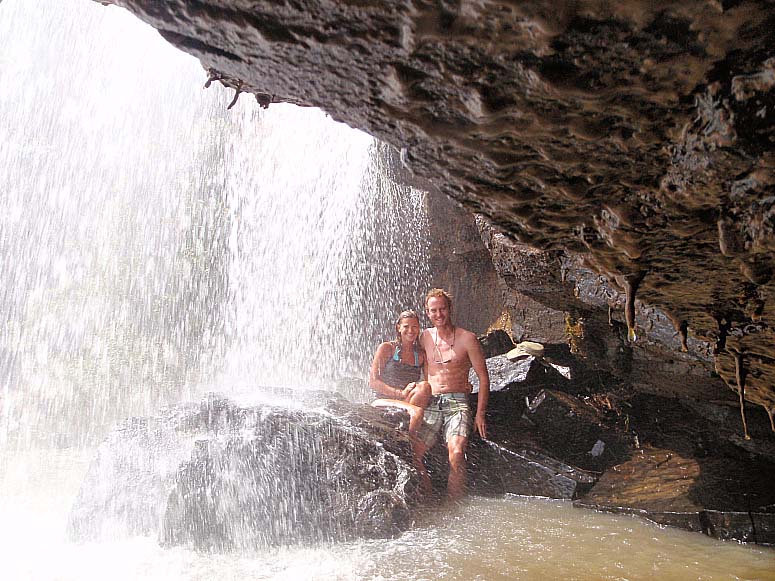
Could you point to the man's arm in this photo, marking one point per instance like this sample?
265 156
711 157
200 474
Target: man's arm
479 364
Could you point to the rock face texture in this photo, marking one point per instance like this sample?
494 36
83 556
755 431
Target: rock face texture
678 462
638 135
218 476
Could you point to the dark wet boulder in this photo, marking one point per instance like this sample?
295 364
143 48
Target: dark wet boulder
294 476
219 476
746 526
504 468
530 406
126 485
496 342
577 432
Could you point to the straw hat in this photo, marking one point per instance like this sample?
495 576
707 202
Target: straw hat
526 349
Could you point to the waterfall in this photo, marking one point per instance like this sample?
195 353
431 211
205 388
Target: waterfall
155 245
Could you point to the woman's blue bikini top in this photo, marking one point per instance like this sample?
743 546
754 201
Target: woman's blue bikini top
397 374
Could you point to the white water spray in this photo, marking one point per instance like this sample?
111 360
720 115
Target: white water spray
155 245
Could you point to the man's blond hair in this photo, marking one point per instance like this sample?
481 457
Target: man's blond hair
438 293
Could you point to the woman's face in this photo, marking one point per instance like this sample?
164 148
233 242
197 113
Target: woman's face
408 329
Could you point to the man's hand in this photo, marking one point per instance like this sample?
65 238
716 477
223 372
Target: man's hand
481 425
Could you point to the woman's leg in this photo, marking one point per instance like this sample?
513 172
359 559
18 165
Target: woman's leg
419 448
418 454
420 395
415 412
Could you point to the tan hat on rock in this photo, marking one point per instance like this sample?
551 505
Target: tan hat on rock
526 349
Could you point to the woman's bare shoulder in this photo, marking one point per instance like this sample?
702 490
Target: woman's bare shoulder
386 347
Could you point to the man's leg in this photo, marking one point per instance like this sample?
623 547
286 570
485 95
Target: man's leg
418 454
456 484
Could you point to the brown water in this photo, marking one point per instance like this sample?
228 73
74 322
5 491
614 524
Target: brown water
484 538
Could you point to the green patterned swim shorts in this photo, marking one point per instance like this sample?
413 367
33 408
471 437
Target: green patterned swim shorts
449 412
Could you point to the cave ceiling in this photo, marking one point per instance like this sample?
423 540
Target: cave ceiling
639 135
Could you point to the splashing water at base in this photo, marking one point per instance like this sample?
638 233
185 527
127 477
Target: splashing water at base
484 538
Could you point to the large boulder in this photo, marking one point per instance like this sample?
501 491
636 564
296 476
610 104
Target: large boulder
219 476
690 493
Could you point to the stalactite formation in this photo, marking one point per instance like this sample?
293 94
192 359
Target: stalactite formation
631 284
740 378
212 76
723 330
683 333
237 92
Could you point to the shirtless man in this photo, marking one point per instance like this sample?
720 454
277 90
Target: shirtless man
450 353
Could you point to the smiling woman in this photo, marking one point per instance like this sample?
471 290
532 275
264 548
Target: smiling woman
397 370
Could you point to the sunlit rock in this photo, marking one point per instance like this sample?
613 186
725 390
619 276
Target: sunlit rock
685 492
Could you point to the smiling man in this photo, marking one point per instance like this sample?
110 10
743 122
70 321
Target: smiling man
450 354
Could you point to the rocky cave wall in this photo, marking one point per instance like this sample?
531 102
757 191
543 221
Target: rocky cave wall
627 145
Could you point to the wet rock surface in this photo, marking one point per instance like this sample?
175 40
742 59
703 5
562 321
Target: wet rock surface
677 462
221 477
217 476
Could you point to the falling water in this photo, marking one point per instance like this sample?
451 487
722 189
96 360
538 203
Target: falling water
154 245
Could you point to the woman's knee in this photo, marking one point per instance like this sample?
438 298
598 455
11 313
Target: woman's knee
421 394
415 412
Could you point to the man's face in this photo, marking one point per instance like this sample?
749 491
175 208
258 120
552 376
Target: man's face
438 311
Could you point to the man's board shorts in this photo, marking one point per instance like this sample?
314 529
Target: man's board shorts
447 412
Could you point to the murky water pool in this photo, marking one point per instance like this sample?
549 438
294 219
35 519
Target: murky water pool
483 538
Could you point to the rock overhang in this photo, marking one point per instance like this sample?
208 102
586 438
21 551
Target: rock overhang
639 135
